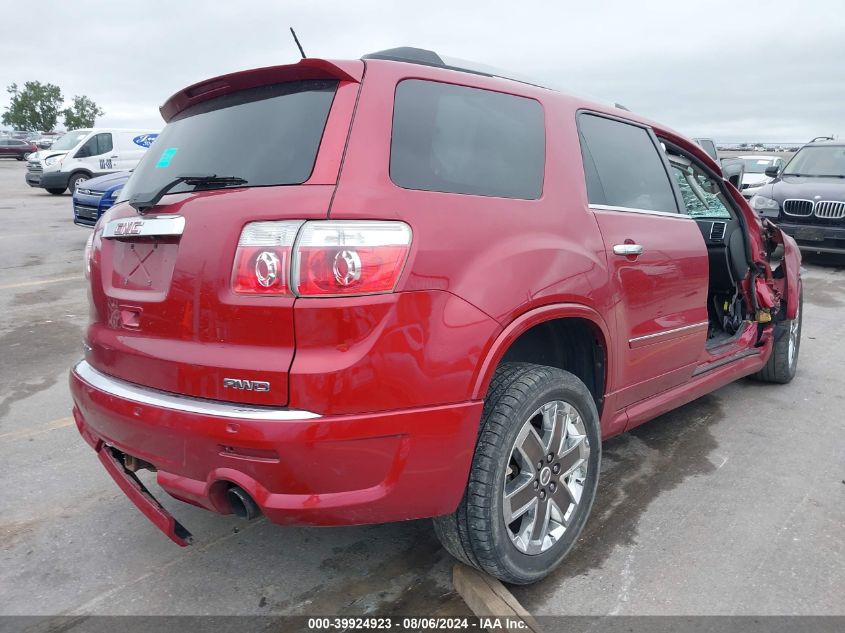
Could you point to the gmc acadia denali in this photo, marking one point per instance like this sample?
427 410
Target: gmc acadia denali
345 292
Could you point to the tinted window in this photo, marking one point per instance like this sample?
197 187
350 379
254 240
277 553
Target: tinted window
465 140
267 135
623 167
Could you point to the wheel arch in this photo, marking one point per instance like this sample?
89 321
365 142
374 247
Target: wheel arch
79 170
528 336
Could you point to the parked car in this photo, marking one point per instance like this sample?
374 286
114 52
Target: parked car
96 196
754 172
807 197
83 154
16 148
485 277
46 142
36 162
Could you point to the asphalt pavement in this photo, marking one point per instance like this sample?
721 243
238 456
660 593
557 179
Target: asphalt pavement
734 504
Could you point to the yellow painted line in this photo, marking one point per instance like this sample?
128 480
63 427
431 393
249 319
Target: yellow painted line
50 426
26 284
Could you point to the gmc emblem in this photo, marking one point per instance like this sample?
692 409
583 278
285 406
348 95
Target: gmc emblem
133 227
246 385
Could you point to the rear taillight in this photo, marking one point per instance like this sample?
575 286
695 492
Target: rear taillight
349 258
262 261
327 258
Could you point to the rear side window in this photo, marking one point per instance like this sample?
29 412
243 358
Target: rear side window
622 166
466 140
267 135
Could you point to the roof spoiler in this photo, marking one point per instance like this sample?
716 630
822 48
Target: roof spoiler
309 68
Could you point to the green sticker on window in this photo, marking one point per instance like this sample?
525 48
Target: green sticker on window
166 156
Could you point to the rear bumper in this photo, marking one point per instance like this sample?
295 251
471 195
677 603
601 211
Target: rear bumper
299 467
827 239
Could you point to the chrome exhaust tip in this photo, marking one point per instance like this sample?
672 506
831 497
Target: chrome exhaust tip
241 504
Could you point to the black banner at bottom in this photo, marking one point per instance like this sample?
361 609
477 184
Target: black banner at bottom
401 624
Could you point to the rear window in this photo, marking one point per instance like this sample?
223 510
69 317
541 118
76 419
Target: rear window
456 139
267 135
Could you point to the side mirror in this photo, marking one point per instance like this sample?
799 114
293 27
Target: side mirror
772 171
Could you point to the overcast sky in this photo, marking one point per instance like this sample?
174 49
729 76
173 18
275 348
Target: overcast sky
766 70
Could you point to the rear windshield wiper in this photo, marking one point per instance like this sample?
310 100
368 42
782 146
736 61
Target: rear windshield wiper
141 202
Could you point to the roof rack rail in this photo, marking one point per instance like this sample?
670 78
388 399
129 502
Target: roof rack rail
822 138
425 57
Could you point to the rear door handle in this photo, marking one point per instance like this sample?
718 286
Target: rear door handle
627 249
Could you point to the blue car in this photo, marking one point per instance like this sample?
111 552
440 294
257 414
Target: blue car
94 197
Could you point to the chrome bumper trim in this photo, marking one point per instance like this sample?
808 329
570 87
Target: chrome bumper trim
187 404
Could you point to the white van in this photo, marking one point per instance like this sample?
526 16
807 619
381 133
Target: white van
83 154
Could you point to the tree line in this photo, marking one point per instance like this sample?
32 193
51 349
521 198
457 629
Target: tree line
37 107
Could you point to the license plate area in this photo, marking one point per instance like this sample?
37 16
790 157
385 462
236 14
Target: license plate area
141 269
809 234
88 213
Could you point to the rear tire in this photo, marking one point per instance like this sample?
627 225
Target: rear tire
783 363
56 191
533 476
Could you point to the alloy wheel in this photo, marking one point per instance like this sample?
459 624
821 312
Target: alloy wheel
547 469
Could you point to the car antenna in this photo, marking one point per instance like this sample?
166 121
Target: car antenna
298 45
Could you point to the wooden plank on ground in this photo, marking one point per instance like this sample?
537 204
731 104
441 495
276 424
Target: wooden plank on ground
489 598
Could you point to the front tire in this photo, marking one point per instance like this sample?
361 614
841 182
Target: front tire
783 363
77 179
533 476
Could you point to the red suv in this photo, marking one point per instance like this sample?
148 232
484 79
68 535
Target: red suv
393 288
